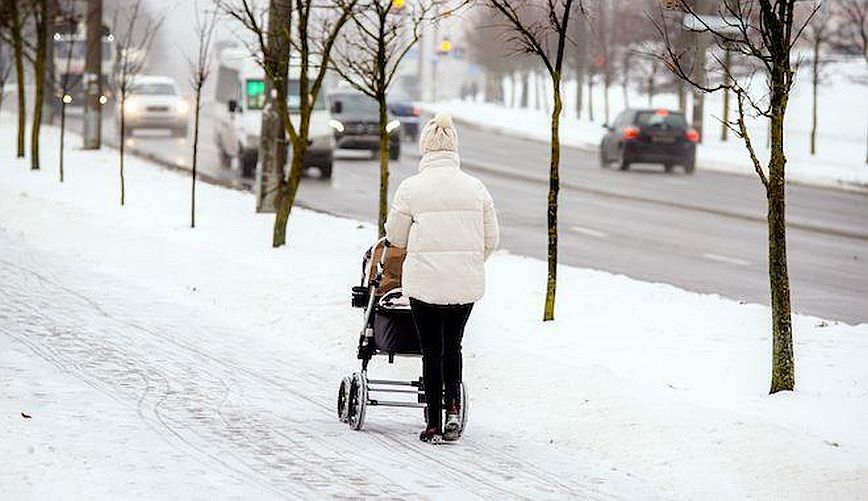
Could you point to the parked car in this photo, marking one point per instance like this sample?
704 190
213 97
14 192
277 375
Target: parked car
154 102
356 120
241 90
403 108
658 136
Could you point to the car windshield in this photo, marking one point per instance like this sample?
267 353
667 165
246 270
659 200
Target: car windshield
356 103
255 92
660 118
153 89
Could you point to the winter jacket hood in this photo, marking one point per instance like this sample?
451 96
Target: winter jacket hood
446 220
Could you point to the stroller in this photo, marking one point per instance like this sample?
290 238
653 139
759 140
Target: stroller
388 329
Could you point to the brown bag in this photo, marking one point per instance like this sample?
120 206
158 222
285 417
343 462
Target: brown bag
392 269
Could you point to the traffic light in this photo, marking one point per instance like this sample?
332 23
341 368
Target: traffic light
398 4
444 47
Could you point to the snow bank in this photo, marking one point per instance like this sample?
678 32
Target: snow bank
841 143
658 391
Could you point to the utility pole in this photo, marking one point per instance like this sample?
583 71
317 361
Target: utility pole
92 80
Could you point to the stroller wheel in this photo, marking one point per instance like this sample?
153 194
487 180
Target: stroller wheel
358 401
343 399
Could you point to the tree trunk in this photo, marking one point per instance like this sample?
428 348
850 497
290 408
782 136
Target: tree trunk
286 193
727 63
651 90
62 134
783 371
123 141
580 90
591 98
384 168
815 82
525 91
606 85
554 188
195 154
18 45
39 69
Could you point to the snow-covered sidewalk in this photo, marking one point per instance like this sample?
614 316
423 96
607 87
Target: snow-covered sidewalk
162 362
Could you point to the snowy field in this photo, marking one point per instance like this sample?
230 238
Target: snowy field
841 137
160 362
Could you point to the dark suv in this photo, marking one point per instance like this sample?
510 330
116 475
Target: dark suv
356 122
658 136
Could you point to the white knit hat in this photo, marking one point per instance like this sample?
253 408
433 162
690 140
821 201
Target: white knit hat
439 134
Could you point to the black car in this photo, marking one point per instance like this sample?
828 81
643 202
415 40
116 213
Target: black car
356 122
658 136
408 114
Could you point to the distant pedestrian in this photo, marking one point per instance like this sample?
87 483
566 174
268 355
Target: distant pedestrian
446 220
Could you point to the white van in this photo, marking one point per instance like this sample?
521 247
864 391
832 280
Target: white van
241 92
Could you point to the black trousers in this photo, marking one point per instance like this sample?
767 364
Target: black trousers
440 328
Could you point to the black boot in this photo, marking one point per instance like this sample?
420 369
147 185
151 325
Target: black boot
431 436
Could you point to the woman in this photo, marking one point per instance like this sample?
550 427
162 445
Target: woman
446 221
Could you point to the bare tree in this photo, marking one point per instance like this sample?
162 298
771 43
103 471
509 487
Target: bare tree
764 32
818 34
13 18
311 29
5 71
133 47
483 37
600 17
852 18
579 56
545 37
39 59
368 55
66 82
200 70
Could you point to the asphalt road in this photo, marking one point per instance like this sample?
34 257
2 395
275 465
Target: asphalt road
704 232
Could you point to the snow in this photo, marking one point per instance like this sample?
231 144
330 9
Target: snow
839 162
162 362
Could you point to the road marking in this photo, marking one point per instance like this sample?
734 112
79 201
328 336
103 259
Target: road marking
588 231
728 260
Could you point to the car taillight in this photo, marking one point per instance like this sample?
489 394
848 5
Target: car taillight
692 135
631 133
415 111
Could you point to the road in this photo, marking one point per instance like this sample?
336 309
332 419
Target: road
704 233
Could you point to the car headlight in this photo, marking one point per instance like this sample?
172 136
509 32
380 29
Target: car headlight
131 106
336 125
394 124
182 107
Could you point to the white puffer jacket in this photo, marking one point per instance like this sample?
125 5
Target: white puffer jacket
447 222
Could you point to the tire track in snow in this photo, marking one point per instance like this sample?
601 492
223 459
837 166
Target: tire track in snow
258 434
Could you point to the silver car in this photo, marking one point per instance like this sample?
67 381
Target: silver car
154 102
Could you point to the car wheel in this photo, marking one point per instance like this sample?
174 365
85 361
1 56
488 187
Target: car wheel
248 163
623 163
180 132
225 159
604 162
325 171
690 166
669 167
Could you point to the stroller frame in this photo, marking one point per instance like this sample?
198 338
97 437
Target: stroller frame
356 392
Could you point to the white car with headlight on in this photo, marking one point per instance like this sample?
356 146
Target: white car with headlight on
154 102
